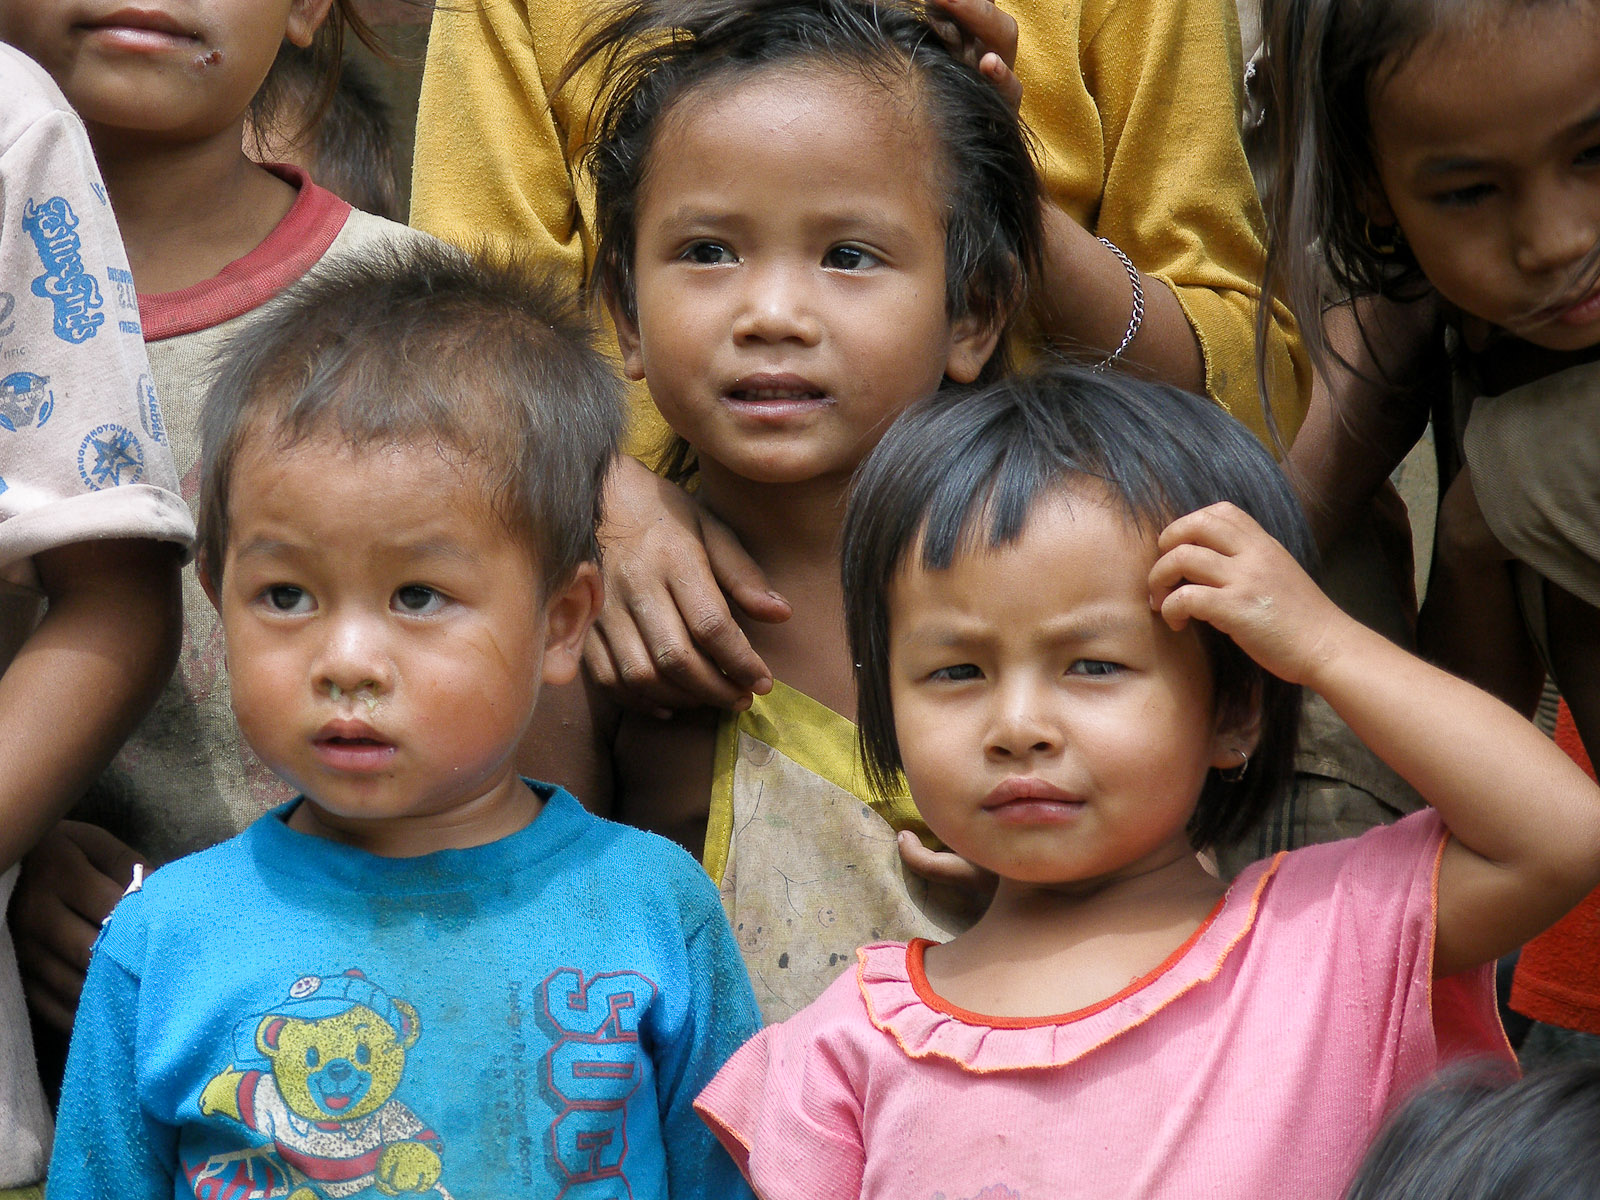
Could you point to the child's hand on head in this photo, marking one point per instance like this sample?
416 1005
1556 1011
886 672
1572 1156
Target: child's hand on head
1219 566
984 37
666 638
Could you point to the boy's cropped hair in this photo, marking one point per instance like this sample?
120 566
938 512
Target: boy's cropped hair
962 471
652 53
422 343
1482 1134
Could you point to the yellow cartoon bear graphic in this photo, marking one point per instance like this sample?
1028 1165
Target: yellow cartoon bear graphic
321 1070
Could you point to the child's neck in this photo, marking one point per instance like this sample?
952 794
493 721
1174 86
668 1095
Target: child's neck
792 532
187 209
1039 951
784 527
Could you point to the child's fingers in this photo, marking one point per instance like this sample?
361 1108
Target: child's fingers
945 867
113 858
998 72
740 577
51 988
1223 527
980 22
656 666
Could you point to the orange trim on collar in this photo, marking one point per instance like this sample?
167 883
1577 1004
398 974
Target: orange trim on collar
288 252
917 973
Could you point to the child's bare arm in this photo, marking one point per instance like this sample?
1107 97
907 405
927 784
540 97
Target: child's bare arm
1085 297
1357 427
84 678
1525 821
1470 623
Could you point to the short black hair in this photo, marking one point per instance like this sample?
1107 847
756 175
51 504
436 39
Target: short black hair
964 469
1481 1134
654 53
420 342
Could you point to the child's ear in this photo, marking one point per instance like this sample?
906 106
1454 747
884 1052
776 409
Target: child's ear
305 18
1374 205
208 581
568 614
1238 731
972 340
627 337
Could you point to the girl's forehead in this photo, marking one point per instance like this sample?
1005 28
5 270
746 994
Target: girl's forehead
871 99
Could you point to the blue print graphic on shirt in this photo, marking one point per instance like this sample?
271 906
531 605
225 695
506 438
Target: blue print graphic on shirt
71 289
26 401
110 457
127 294
150 411
591 1069
316 1075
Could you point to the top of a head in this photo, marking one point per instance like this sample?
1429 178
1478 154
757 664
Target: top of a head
963 470
418 342
654 53
1482 1134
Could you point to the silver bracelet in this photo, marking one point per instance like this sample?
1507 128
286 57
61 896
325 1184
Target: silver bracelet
1137 319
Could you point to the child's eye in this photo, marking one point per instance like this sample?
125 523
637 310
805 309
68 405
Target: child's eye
415 599
286 598
1463 197
708 253
850 258
959 673
1094 666
1589 156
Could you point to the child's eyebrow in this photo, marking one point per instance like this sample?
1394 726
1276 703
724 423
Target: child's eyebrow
1452 164
1087 627
267 547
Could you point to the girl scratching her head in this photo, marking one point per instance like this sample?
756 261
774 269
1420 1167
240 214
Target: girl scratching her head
1081 613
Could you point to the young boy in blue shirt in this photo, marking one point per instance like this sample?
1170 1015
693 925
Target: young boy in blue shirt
424 976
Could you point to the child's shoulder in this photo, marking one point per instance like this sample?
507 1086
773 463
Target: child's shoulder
1382 858
31 95
643 862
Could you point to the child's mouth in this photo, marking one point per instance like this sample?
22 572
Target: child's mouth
142 29
352 749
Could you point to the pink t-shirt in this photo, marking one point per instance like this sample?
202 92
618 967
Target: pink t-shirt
1258 1061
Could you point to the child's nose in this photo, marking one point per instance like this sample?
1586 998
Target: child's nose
1023 724
777 306
354 660
1556 230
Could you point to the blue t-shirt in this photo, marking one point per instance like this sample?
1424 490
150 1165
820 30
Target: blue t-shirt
283 1015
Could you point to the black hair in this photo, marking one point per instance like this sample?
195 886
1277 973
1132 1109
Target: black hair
423 343
1321 62
348 136
654 53
1484 1135
322 62
964 469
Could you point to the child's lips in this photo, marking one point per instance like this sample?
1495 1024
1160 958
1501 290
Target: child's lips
1024 799
142 29
1582 312
775 394
352 746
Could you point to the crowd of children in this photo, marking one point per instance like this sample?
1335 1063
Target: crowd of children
884 450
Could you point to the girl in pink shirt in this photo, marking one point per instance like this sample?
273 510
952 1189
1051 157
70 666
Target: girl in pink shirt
1080 614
